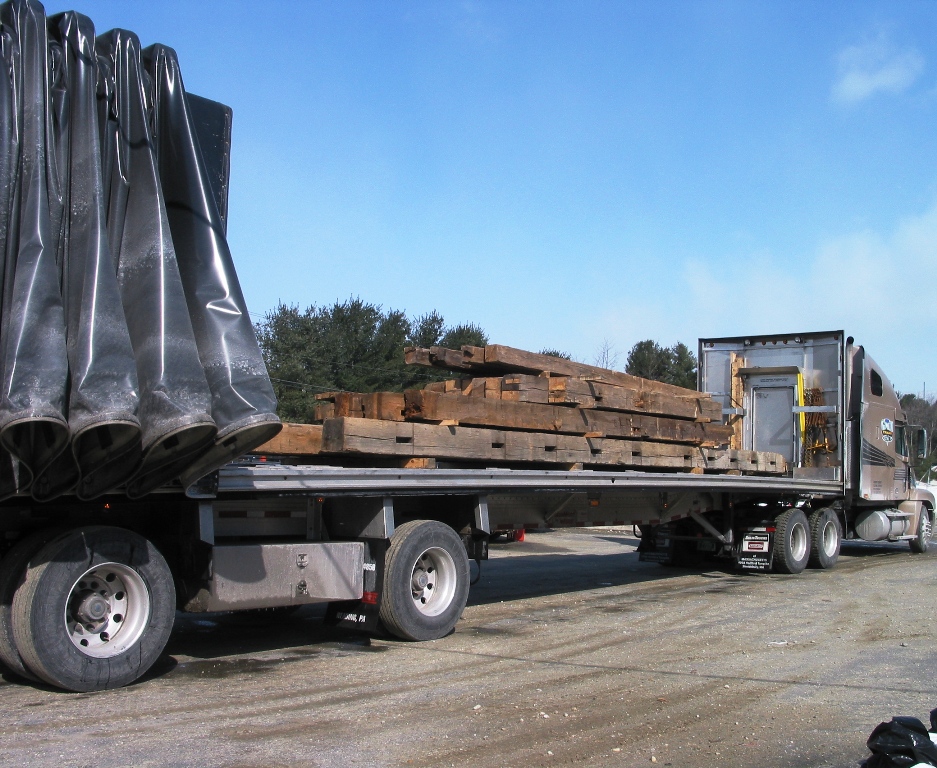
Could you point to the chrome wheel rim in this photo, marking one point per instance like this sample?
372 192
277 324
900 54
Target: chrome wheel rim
433 581
829 538
798 542
107 610
925 525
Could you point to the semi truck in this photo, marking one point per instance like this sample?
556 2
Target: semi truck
822 402
134 405
89 590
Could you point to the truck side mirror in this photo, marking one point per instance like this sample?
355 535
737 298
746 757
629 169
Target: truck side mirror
921 443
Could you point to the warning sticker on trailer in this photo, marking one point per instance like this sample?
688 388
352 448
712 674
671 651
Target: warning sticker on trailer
755 552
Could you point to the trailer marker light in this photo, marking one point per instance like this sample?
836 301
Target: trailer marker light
369 597
770 530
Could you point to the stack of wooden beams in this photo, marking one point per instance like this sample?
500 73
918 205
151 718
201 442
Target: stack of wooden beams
513 407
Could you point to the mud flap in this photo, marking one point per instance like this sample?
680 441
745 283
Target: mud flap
755 551
363 614
656 547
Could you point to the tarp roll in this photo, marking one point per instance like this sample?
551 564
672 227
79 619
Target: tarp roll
102 396
242 401
33 361
127 357
9 155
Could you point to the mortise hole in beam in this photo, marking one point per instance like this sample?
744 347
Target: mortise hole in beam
549 448
596 451
497 445
401 439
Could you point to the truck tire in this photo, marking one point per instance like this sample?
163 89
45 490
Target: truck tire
791 541
426 581
920 542
826 536
12 573
95 609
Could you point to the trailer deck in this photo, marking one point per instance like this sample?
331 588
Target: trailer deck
328 480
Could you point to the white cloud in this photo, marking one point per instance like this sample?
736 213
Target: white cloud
879 287
875 67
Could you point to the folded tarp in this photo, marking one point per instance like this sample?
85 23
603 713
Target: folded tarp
127 356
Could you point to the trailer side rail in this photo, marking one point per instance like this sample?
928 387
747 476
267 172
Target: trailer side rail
371 481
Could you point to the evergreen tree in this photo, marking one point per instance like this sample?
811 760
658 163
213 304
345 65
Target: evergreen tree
465 334
675 365
350 346
649 360
556 353
683 366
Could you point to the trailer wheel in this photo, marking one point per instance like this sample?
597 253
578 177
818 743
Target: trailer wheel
791 541
12 573
924 528
426 581
826 535
95 609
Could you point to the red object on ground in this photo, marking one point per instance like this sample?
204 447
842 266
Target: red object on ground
519 534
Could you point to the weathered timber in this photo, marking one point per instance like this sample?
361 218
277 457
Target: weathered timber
527 388
417 356
384 405
504 414
355 437
497 358
323 411
295 439
565 390
450 385
736 398
367 405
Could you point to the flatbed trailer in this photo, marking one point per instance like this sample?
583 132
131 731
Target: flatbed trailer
386 547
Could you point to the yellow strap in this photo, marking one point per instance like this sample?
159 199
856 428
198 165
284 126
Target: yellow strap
800 402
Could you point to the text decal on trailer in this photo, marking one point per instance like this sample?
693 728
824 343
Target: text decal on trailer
755 552
353 617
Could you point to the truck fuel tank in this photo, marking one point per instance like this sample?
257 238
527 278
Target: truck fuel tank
879 525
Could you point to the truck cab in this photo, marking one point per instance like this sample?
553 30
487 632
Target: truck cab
826 406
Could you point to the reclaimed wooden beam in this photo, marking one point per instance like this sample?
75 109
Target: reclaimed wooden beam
366 405
359 437
498 358
294 439
505 414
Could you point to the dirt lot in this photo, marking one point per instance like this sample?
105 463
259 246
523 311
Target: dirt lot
570 652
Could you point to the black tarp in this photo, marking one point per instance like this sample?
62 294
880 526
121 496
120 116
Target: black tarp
242 399
127 357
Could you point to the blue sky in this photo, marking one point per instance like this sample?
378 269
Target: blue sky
570 173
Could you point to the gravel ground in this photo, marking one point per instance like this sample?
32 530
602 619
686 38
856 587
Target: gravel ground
570 652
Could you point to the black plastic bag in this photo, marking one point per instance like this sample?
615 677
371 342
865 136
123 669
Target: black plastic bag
901 743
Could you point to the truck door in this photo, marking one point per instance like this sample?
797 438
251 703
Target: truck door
773 420
883 470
